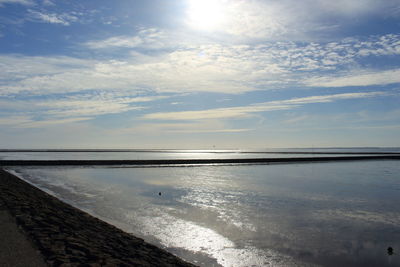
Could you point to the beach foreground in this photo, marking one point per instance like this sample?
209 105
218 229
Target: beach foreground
66 235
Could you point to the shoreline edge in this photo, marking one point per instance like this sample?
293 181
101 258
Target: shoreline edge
66 235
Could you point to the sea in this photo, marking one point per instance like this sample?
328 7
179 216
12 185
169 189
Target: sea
337 213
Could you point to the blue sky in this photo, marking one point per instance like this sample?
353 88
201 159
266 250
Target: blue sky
198 74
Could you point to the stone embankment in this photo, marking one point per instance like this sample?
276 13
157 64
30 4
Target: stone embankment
67 236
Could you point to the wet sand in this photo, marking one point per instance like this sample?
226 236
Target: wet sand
65 235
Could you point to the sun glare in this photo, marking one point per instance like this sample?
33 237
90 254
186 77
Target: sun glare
206 14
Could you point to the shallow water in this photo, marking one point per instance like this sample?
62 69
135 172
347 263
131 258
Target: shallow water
150 154
330 214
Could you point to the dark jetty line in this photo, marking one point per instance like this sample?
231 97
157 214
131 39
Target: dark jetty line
191 161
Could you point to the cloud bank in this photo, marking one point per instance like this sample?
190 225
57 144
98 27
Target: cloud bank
229 69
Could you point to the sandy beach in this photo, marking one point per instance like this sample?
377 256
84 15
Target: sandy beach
65 235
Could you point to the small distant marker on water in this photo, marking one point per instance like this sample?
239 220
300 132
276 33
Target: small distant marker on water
159 193
390 251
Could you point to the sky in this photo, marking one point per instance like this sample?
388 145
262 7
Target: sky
199 73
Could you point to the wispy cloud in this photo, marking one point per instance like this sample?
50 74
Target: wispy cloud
357 79
147 38
29 122
227 69
22 2
93 105
48 3
67 108
51 122
36 113
53 18
245 111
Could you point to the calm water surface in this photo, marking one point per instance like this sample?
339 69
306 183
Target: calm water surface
150 154
330 214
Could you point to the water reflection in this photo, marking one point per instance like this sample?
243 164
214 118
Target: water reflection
331 214
180 154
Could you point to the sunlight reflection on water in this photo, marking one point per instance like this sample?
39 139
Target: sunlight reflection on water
177 233
332 214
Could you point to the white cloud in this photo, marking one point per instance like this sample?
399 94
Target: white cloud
22 2
180 71
92 105
245 111
229 69
147 38
67 108
357 79
297 119
36 113
63 19
328 98
261 65
48 3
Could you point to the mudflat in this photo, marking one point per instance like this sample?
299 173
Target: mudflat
66 235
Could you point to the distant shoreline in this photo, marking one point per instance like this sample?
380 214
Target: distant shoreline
317 150
193 161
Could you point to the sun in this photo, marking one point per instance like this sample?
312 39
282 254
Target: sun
207 15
